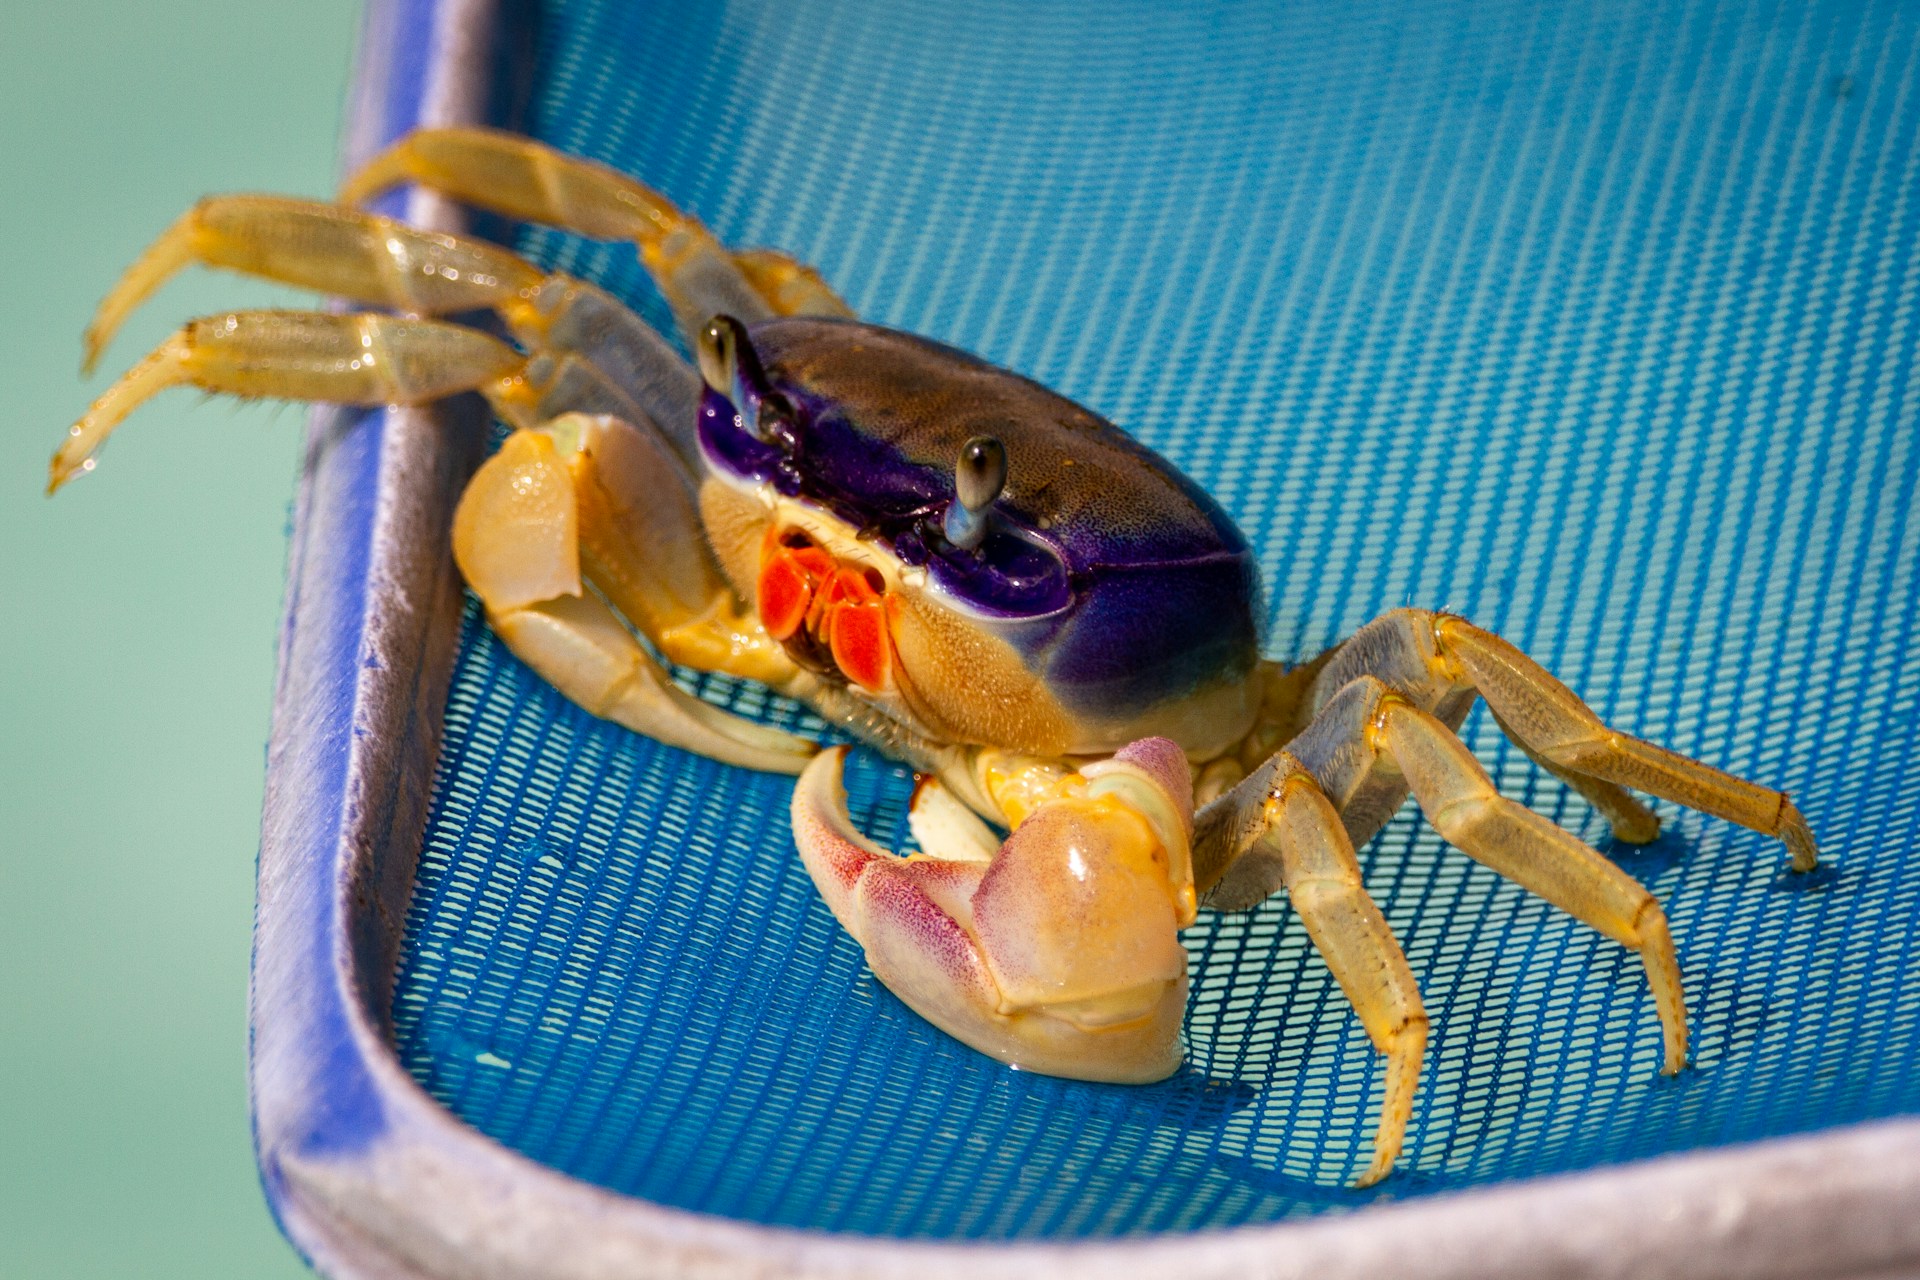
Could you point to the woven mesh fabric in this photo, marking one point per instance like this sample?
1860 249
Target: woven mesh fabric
1593 322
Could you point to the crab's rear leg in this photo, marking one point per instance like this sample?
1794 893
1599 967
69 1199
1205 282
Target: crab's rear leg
524 179
1555 727
1371 739
561 527
1441 660
1278 816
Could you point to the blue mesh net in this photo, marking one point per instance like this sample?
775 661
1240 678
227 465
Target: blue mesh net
1595 323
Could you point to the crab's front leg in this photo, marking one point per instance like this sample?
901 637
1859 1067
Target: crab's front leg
590 353
1058 952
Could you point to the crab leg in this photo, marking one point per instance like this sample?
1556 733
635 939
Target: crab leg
1547 718
1369 740
601 357
1441 661
581 493
521 178
301 355
1460 801
330 250
1280 817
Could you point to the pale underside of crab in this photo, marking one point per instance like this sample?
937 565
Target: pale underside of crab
951 563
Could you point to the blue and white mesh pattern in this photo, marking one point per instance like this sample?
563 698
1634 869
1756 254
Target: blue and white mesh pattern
1596 323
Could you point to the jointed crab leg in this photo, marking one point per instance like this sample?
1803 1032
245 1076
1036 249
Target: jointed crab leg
523 179
300 355
1383 710
1280 817
1368 737
602 357
330 250
1440 659
1631 821
572 496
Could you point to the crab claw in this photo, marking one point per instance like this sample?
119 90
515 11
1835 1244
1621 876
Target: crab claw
1059 955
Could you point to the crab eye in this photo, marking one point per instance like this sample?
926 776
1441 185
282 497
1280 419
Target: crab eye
978 477
731 367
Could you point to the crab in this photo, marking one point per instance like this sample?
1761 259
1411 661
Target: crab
949 563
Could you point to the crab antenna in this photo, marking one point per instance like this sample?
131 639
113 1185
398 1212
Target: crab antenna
978 478
730 366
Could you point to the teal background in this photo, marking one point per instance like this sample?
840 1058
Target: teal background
136 658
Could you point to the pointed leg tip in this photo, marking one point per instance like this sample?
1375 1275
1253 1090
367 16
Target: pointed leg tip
92 345
1637 829
58 474
1798 837
1376 1172
1677 1046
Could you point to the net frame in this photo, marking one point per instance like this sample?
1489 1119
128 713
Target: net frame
371 1177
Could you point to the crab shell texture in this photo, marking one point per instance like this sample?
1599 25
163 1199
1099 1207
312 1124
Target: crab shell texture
1110 600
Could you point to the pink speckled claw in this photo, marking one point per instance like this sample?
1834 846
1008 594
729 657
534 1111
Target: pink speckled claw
1061 953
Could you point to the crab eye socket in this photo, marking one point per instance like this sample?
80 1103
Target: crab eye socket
1010 571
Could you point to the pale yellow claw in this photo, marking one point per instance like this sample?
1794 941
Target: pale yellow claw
543 536
1059 955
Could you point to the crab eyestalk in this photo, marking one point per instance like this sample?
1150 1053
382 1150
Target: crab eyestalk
731 367
978 477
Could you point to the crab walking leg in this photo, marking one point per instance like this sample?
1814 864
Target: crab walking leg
1460 801
518 531
300 355
603 358
790 286
1440 661
330 250
1548 718
1370 741
1631 821
521 178
1279 815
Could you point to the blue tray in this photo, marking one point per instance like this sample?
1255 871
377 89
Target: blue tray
1596 324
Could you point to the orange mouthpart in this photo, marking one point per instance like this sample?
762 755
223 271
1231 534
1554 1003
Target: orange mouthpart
842 609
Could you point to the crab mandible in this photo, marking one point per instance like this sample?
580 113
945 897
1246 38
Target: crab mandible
950 562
